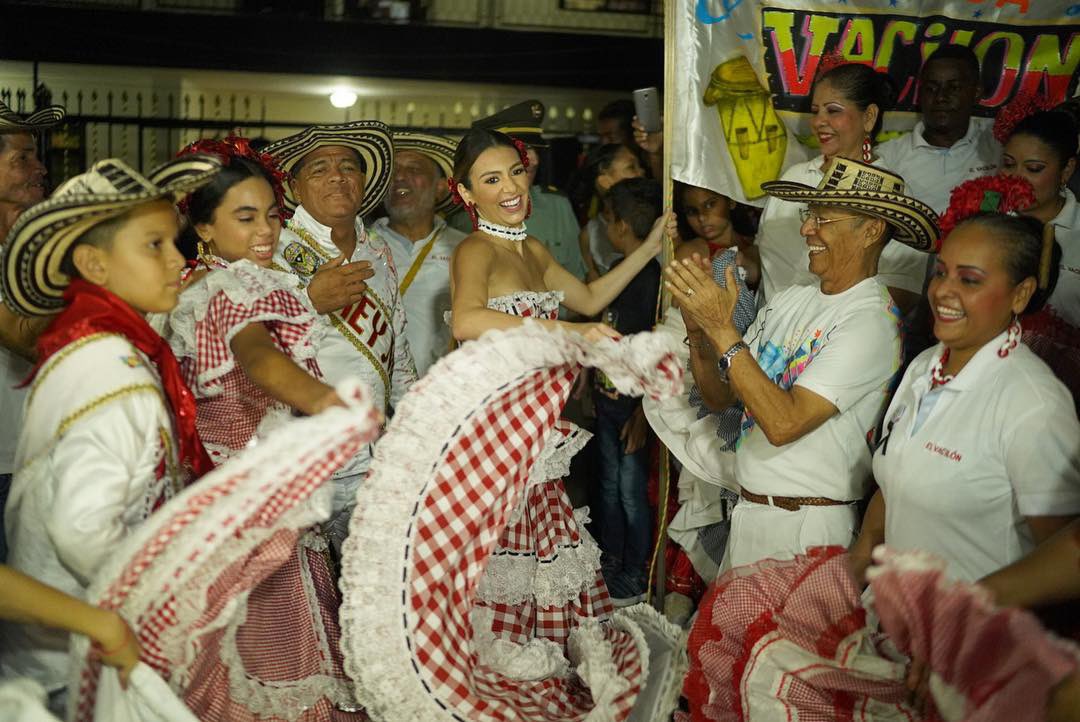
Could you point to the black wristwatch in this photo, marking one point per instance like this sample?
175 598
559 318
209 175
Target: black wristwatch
728 356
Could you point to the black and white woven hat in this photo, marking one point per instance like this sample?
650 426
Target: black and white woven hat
12 122
871 190
436 147
369 138
30 277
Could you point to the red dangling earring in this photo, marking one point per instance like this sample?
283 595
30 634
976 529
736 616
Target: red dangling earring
528 209
1011 341
470 208
867 148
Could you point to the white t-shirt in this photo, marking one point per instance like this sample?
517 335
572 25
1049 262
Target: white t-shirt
785 257
1002 442
930 173
843 347
1066 297
13 369
427 298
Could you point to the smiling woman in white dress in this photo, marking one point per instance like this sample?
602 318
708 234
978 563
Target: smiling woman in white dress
543 578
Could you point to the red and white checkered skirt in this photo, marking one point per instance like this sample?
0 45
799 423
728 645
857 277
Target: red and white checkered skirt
228 609
471 592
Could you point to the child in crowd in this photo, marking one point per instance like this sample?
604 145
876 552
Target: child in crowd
109 430
705 222
631 209
246 338
604 167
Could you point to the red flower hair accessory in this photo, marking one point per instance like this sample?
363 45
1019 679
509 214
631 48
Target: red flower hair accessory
995 193
523 151
832 59
237 147
1015 111
455 194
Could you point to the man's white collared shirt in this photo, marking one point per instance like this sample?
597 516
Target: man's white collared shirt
930 173
427 297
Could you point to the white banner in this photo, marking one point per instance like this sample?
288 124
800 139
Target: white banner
744 71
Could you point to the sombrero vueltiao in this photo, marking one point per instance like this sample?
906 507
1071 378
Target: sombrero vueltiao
12 122
369 138
31 280
871 190
436 147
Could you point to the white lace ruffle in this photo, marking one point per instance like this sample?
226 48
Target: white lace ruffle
515 579
542 302
660 692
559 450
536 660
172 560
244 283
378 625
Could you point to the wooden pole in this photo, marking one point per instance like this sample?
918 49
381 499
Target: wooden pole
671 124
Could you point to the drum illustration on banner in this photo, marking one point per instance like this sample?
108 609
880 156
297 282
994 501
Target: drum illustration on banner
756 137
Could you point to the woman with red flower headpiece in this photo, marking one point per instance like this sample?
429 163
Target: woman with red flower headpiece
978 461
1042 148
246 339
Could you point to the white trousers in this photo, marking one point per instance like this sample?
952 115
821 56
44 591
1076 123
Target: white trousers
759 531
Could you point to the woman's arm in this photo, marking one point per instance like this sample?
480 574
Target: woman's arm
278 375
871 534
1049 575
594 297
591 272
25 600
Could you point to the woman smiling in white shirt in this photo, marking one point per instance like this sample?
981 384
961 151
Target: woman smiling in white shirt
980 457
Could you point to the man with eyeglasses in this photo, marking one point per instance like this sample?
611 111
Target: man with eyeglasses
813 370
339 174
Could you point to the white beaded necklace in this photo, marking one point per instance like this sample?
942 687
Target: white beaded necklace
511 234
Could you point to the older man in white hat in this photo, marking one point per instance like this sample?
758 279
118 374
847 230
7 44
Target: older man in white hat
22 184
420 239
339 174
814 368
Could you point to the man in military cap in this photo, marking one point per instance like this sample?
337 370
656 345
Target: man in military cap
552 220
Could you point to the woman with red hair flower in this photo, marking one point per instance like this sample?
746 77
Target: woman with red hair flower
1041 147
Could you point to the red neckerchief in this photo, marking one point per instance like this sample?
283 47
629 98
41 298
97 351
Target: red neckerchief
92 309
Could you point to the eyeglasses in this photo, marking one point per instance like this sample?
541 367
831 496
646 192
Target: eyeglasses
817 221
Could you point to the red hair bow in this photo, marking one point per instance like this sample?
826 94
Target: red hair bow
236 147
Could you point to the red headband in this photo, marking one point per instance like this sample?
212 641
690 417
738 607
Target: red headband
237 147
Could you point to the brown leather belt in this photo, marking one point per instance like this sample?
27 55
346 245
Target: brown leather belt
791 503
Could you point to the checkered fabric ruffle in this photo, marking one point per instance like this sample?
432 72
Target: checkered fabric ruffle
447 475
788 640
181 579
211 311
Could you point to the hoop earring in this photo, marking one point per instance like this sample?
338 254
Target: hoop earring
867 149
1013 339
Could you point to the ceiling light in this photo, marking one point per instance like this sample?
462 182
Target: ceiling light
343 98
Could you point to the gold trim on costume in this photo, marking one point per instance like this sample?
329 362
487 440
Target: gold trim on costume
61 355
345 330
121 392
